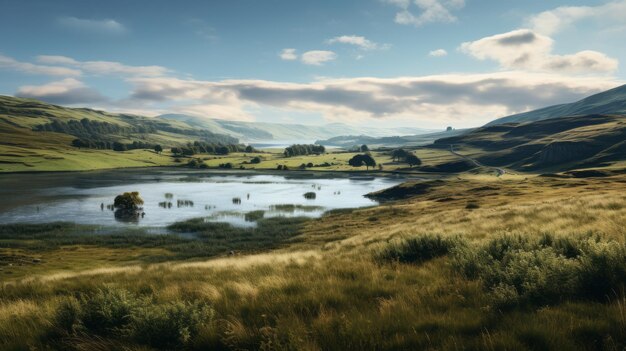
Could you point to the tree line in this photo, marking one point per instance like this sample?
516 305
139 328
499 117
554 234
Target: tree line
302 149
201 147
104 135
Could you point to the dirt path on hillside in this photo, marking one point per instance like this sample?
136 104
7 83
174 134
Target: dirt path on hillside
499 171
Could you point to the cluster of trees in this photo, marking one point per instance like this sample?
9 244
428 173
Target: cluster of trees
362 160
86 128
406 156
102 135
110 145
198 147
301 149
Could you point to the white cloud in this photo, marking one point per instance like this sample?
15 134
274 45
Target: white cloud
30 68
429 11
358 41
288 54
104 67
555 20
105 26
66 91
527 50
464 99
438 53
318 57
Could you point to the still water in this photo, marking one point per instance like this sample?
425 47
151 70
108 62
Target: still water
174 195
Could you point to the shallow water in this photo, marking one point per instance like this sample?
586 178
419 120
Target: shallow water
78 197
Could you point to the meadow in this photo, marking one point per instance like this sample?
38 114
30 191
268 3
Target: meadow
472 262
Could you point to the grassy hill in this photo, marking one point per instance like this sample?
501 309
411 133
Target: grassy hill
608 102
38 136
348 141
549 145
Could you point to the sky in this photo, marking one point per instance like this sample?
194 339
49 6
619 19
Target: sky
418 63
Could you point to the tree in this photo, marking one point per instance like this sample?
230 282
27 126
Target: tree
398 154
364 148
158 149
117 146
412 160
249 148
255 160
369 161
127 206
176 151
362 159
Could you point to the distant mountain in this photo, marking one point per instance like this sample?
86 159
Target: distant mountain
609 102
348 141
262 131
554 144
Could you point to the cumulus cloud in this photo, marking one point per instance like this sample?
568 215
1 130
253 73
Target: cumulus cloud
358 41
104 67
555 20
30 68
104 26
527 50
429 11
438 53
317 57
464 99
67 91
288 54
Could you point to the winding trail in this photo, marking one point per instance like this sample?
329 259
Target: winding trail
499 171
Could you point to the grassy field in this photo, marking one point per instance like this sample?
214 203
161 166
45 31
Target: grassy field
472 262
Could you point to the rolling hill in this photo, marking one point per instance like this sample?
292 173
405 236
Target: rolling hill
608 102
39 136
554 144
348 141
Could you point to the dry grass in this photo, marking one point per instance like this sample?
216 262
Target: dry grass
326 291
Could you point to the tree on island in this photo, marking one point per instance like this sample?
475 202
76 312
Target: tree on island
158 149
412 160
362 159
127 205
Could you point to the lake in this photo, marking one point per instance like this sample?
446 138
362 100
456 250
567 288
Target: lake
175 195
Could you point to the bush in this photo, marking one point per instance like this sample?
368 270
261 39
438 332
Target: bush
518 270
310 195
418 249
170 325
119 314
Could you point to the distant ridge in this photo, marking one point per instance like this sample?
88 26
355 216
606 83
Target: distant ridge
612 101
264 131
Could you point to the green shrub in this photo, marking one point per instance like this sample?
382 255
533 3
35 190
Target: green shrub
418 249
170 325
519 270
118 314
108 311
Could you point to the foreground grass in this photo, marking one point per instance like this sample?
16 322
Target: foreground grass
536 263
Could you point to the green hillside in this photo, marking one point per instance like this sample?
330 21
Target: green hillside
348 141
39 136
608 102
554 144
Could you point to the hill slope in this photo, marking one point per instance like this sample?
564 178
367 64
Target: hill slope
554 144
39 136
608 102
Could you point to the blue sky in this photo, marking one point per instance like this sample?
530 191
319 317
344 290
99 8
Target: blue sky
423 63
